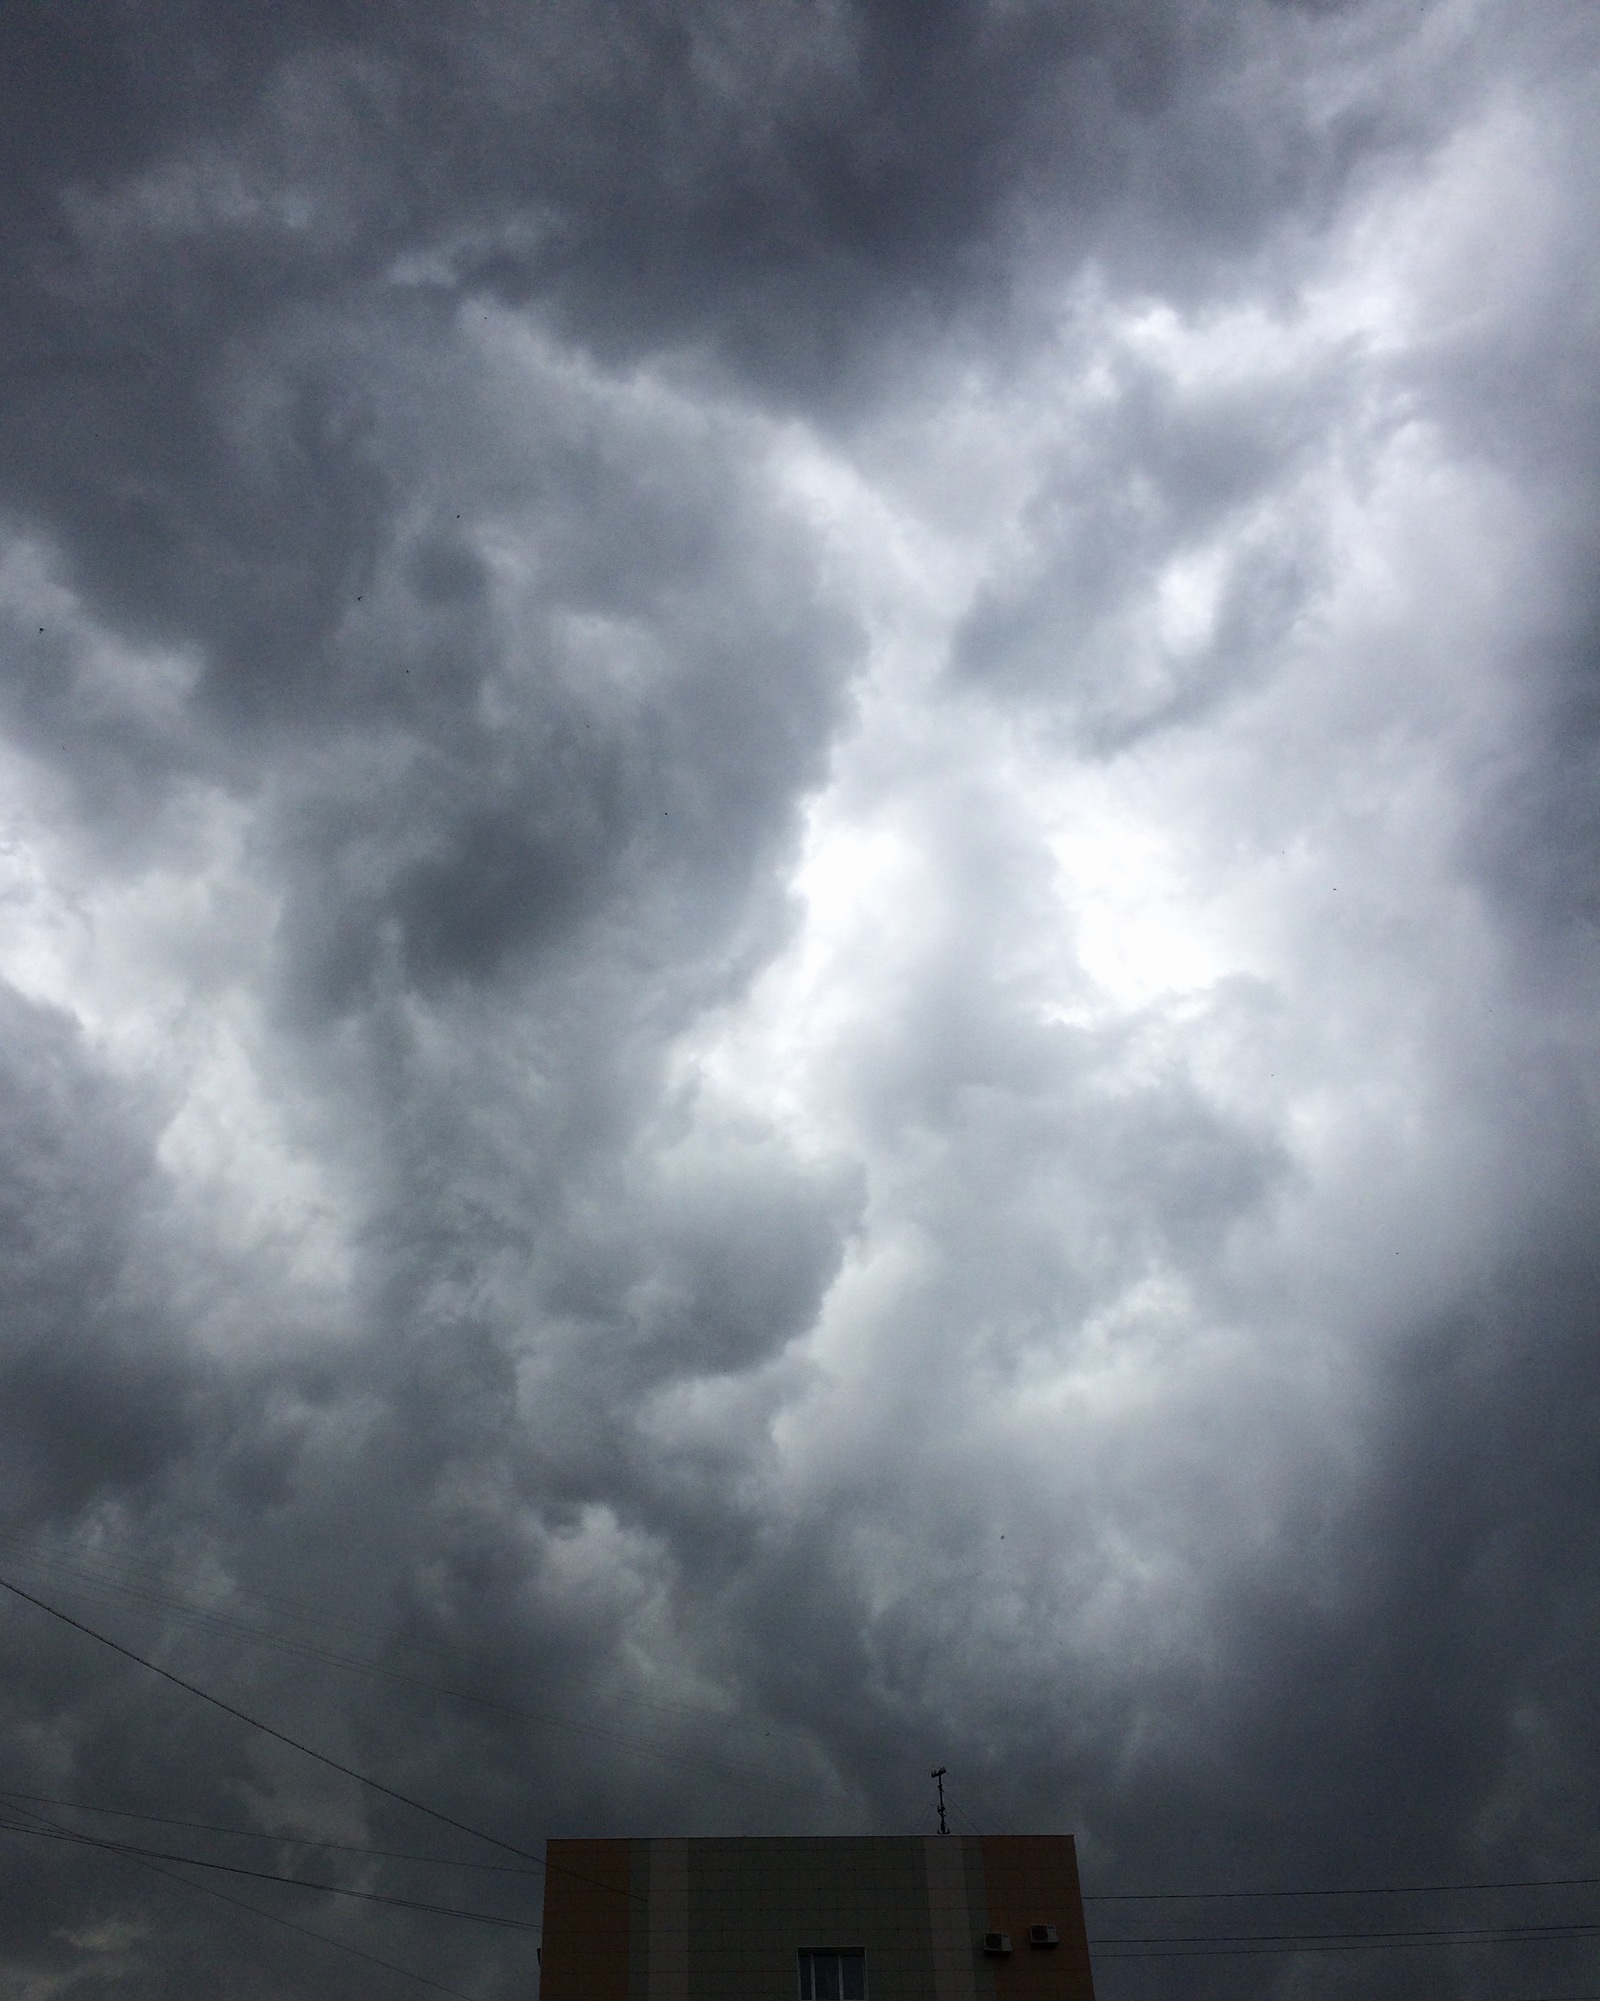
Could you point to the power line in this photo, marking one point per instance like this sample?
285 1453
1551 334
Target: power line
1252 1945
1369 1890
512 1869
1212 1946
141 1859
289 1924
1112 1948
221 1621
93 1579
1576 1928
348 1664
294 1743
260 1834
75 1835
1225 1946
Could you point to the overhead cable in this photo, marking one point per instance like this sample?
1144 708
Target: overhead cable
290 1925
307 1750
83 1840
262 1834
1295 1942
349 1664
1366 1890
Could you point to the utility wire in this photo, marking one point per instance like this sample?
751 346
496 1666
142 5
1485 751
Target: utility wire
21 1549
1286 1943
92 1579
260 1834
513 1869
1213 1946
464 1827
1251 1943
289 1924
346 1663
140 1858
294 1743
83 1840
1575 1928
1370 1890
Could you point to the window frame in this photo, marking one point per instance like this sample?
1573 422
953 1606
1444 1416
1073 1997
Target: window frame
805 1969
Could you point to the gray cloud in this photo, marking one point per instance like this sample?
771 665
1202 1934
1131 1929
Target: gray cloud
95 1388
797 902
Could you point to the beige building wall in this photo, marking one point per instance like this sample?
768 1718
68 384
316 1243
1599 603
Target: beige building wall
726 1920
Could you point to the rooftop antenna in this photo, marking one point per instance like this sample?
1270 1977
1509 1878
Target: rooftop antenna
938 1779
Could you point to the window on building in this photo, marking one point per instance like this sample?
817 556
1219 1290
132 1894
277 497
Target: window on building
833 1973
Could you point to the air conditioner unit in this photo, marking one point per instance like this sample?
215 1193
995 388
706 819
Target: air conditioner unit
1043 1935
996 1944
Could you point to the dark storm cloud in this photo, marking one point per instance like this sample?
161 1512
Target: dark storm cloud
94 1388
790 189
574 588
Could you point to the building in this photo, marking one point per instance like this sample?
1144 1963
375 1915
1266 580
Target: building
898 1918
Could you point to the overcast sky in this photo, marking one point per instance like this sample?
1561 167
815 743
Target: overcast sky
799 869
